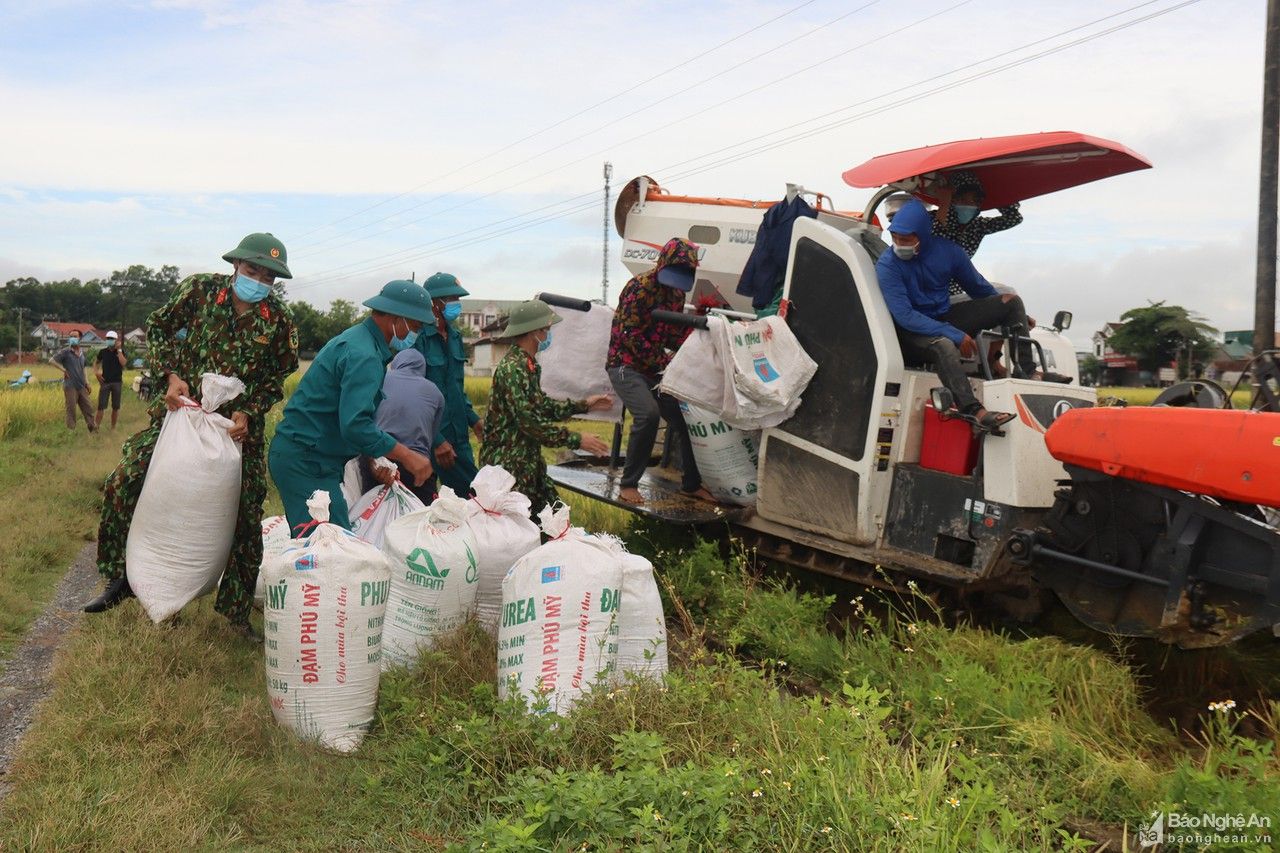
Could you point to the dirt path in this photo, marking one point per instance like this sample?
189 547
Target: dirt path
26 676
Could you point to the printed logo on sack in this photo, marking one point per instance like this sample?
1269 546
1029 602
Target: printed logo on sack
305 563
420 561
764 369
473 572
550 574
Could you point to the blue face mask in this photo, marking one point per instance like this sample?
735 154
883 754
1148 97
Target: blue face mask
73 342
249 290
965 213
451 311
545 342
398 343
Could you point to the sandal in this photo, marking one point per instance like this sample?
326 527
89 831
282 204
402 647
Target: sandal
993 420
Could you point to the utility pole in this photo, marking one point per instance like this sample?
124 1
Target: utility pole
604 278
20 311
1264 311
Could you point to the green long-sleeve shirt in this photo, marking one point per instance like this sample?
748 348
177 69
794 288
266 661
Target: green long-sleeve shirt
446 358
198 331
332 412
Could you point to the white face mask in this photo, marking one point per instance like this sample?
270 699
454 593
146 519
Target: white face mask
906 253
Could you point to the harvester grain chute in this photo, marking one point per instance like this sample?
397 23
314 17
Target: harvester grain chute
1150 522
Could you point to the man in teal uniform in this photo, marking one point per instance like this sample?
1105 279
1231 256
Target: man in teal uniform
331 417
441 344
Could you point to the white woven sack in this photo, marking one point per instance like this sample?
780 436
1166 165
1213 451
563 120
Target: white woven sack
378 507
642 634
728 458
326 597
697 372
352 485
769 367
504 533
182 528
433 577
573 365
275 538
558 634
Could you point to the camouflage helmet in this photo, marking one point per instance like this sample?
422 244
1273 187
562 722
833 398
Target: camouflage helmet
265 251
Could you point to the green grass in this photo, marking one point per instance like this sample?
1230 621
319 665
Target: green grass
50 494
771 733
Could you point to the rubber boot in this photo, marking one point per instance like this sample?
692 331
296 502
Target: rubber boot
116 592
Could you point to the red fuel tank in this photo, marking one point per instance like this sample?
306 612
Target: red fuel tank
1223 453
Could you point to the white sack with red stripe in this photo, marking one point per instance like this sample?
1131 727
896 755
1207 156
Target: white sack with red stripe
558 634
326 597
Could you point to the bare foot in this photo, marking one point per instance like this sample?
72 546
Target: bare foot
700 494
631 496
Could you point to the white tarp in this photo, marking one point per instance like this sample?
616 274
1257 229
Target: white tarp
573 366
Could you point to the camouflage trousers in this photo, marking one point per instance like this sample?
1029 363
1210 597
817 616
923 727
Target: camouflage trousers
120 497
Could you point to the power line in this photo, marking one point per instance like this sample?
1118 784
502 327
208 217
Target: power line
326 278
600 128
476 198
566 119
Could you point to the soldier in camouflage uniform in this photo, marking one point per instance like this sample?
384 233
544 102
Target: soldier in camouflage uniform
521 419
234 325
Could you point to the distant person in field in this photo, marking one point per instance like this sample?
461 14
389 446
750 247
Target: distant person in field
640 348
75 387
441 345
109 368
332 416
522 419
235 325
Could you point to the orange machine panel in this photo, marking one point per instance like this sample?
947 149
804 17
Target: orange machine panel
1218 452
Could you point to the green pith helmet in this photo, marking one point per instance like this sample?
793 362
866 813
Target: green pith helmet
529 317
265 251
402 299
443 285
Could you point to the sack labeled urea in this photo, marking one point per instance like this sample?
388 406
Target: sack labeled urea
499 518
326 598
434 576
379 507
275 538
182 528
642 634
728 458
558 634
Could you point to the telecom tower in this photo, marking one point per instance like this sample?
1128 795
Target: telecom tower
604 276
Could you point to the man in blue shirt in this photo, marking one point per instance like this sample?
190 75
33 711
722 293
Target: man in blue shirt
914 279
331 417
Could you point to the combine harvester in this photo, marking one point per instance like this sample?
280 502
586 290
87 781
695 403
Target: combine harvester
1148 522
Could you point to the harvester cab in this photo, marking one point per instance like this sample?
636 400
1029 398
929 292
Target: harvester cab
871 480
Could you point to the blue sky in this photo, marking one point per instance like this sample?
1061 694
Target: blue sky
380 138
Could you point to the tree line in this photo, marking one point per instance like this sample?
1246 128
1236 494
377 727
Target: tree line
123 301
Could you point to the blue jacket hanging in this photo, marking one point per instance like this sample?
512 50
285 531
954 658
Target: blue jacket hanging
765 269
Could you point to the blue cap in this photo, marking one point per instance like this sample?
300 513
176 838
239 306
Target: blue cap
679 276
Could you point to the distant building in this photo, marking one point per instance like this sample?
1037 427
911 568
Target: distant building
485 355
54 335
479 313
1118 369
137 336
